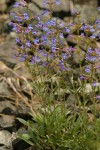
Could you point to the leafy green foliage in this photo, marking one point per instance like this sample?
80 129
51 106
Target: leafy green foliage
59 129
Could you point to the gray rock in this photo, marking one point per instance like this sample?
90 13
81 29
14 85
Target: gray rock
64 5
4 19
3 5
35 10
7 121
7 104
4 88
4 148
78 55
5 138
71 100
7 52
89 2
87 12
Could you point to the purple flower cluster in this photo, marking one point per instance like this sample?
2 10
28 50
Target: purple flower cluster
42 41
94 84
48 48
97 22
88 69
49 27
21 3
16 27
58 2
92 55
84 27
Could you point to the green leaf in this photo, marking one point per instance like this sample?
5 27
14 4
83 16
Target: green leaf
26 138
22 121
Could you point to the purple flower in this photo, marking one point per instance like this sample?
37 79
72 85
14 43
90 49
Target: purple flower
90 55
36 41
82 77
18 18
97 21
23 3
82 35
64 56
12 13
67 30
53 40
28 44
93 58
39 25
38 17
98 67
50 32
98 8
45 2
98 97
97 24
90 50
45 12
26 17
34 32
71 24
94 84
92 29
61 35
18 40
87 69
23 58
51 22
57 2
84 27
70 49
99 35
35 59
92 36
61 65
30 27
45 54
45 28
10 23
27 30
22 47
68 69
74 12
61 24
15 28
44 64
44 38
16 4
97 51
53 49
52 56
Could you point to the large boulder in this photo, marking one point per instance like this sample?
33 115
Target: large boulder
88 9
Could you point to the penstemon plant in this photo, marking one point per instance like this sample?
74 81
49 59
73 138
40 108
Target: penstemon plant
57 75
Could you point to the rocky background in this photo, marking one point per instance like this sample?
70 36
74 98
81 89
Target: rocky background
15 91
